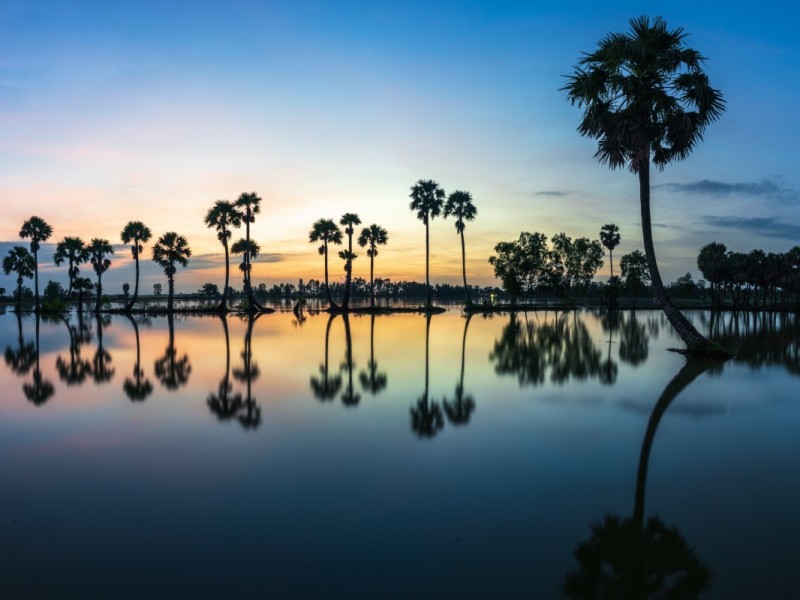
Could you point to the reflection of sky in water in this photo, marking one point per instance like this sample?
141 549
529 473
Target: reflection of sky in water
326 498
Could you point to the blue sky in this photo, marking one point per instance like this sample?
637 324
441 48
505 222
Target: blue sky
115 111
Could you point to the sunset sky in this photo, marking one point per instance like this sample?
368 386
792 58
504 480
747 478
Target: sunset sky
118 111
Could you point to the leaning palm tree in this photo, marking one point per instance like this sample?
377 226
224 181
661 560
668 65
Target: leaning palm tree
222 216
248 250
169 250
326 231
348 221
98 250
74 252
373 236
459 204
249 203
427 199
646 99
19 261
135 233
609 237
39 231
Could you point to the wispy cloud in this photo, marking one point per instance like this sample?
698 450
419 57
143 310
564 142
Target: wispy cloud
764 188
555 193
766 226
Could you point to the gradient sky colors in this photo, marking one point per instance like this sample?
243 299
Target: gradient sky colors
118 111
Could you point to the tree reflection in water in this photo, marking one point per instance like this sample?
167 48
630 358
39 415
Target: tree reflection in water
631 558
249 415
172 372
349 396
22 358
138 388
610 321
561 348
225 404
634 343
426 416
372 380
25 358
460 409
760 339
102 371
326 386
76 369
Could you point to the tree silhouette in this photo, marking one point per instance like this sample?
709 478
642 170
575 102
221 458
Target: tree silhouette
327 385
327 232
348 221
98 249
249 204
19 261
250 413
74 252
222 216
635 272
39 390
22 358
426 416
427 199
609 237
646 100
138 388
169 250
349 396
225 404
459 204
135 233
77 369
372 380
38 230
172 372
610 321
634 342
461 408
374 235
102 371
249 251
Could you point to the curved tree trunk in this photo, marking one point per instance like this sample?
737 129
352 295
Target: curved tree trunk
331 303
696 344
223 305
464 267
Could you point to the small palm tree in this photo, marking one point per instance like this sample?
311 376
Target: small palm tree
427 199
19 261
646 100
74 252
248 250
459 204
374 235
39 231
135 233
222 216
169 250
609 237
348 221
98 250
249 203
326 231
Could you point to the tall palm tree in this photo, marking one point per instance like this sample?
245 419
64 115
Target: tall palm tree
459 204
647 99
139 387
74 251
374 235
326 231
427 199
19 261
169 250
39 231
248 250
222 216
138 233
249 203
348 221
609 237
98 250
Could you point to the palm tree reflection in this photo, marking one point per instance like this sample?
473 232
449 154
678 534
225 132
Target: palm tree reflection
138 388
610 321
172 372
225 404
39 390
461 408
349 396
249 415
426 416
634 343
102 371
326 386
631 558
372 380
76 369
22 358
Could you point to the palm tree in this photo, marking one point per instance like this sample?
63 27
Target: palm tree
249 250
459 204
169 250
250 415
326 231
172 372
40 390
102 371
138 233
75 252
372 380
98 249
427 199
222 216
21 359
373 236
326 386
39 231
426 416
224 404
646 100
609 237
460 410
349 396
249 203
138 388
348 221
19 261
77 369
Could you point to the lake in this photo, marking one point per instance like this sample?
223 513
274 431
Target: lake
519 456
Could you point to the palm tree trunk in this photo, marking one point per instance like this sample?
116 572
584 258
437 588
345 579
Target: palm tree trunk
348 271
71 279
463 351
223 305
171 285
19 294
371 278
36 277
427 259
136 282
464 267
611 260
99 293
696 344
227 350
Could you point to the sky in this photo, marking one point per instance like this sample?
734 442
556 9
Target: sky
116 111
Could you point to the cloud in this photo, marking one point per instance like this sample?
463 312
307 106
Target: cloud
765 188
555 193
766 226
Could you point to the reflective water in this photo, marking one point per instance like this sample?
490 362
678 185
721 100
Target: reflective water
530 456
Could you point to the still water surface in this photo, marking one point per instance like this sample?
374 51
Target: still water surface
395 456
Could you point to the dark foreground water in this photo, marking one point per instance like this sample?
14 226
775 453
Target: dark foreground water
531 456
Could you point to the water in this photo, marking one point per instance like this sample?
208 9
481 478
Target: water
350 458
